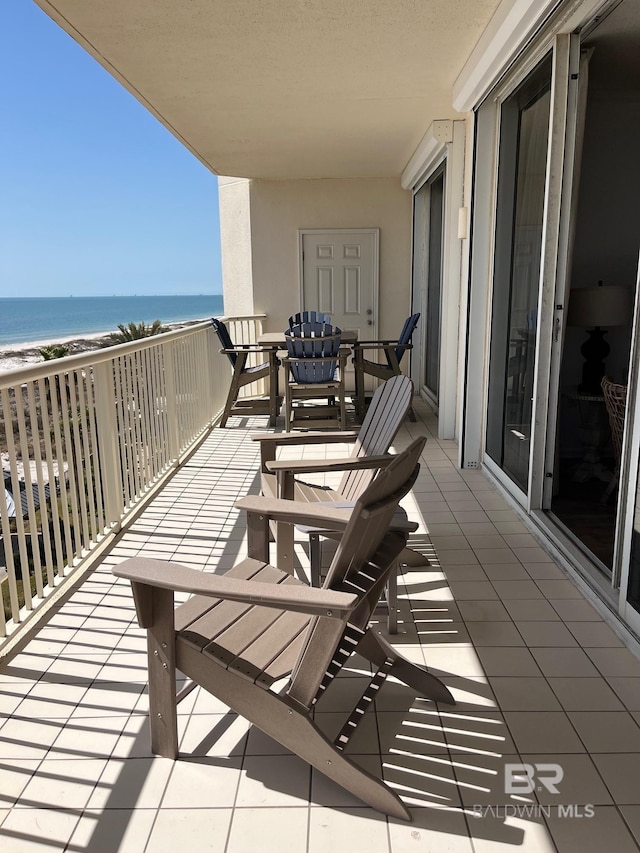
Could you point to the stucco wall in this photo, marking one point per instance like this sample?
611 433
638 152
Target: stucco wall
235 243
280 208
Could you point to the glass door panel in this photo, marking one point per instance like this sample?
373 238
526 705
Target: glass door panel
434 288
524 132
428 222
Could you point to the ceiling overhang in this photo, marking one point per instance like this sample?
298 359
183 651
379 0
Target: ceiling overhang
287 88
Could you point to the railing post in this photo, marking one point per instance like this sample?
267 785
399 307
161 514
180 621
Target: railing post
173 423
110 468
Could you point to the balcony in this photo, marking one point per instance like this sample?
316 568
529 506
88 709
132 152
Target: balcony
539 677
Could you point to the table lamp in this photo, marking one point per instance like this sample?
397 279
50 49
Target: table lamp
597 307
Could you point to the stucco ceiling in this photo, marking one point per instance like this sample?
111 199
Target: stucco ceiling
286 88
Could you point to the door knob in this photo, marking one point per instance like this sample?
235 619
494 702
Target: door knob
369 322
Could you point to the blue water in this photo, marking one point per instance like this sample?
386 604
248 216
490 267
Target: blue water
49 318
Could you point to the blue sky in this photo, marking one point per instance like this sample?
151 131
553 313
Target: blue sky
96 197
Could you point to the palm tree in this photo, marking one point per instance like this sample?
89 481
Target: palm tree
52 351
136 331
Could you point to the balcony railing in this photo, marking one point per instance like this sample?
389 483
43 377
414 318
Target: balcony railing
86 439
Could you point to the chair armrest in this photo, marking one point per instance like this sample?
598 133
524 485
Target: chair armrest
309 466
399 522
247 348
269 443
305 437
297 598
320 514
379 343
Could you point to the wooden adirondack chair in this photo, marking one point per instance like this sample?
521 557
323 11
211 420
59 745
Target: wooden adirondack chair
315 366
393 352
245 375
370 445
243 631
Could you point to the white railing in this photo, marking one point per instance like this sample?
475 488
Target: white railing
85 438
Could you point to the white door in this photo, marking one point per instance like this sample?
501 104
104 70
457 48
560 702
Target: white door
340 277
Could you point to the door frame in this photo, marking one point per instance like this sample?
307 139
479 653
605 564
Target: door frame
375 232
443 144
629 475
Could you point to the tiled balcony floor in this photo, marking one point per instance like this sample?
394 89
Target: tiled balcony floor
538 676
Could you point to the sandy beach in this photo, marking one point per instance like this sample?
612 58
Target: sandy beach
17 355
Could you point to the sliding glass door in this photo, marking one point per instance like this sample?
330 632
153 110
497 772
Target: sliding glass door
428 234
524 135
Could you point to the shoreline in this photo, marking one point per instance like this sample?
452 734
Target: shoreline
21 354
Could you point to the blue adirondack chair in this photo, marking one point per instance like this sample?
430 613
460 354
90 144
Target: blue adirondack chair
309 317
393 351
245 375
315 366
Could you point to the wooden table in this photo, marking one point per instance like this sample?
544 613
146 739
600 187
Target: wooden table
278 339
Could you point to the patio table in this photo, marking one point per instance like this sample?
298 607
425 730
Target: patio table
278 340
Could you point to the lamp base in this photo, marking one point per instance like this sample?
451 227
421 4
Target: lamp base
594 351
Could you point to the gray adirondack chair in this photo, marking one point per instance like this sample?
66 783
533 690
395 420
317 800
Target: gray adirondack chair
243 631
279 478
370 445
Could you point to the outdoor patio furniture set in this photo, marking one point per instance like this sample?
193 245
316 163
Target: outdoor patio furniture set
269 644
314 356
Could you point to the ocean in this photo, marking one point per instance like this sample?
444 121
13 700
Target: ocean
50 318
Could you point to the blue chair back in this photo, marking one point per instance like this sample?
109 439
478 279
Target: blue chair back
309 317
224 338
312 341
405 335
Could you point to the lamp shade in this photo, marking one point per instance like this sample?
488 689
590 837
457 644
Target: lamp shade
600 306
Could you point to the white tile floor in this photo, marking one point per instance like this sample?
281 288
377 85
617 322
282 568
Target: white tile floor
538 676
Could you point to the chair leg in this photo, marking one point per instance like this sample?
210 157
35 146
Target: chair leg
359 376
392 600
315 558
284 721
234 389
375 648
231 398
162 674
273 389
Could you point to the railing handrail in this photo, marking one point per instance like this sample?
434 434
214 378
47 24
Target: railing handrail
95 434
41 370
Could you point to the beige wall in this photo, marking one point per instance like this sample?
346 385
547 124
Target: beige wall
280 208
235 243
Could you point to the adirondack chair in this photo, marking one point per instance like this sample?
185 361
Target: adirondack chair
384 417
242 632
615 401
370 445
245 375
315 367
393 352
309 317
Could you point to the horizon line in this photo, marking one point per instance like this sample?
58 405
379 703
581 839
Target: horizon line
110 295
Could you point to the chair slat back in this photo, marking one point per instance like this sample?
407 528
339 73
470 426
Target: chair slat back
362 563
406 333
313 341
225 338
615 401
309 317
384 417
